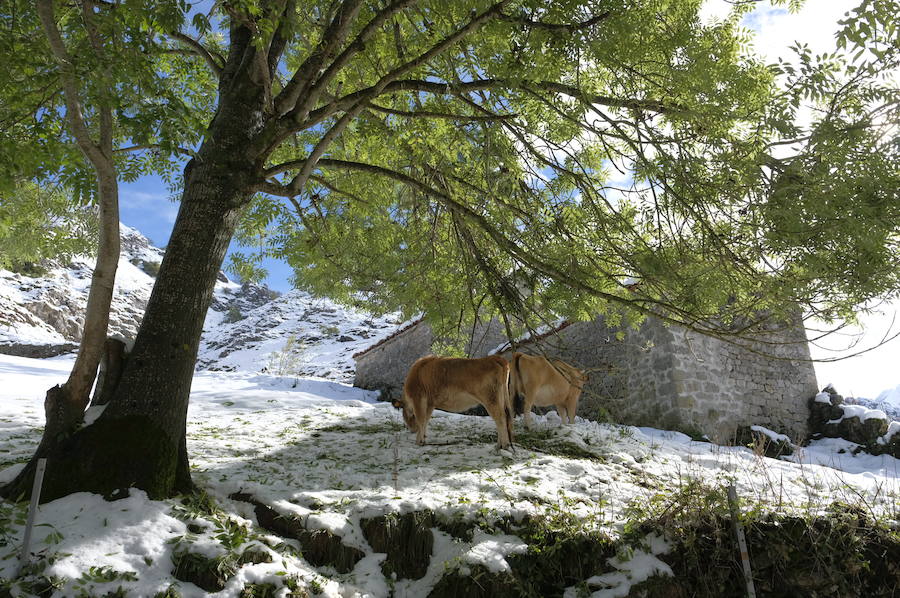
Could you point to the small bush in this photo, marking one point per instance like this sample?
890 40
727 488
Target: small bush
170 592
289 360
329 330
233 315
151 268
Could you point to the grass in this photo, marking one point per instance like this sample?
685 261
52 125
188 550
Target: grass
548 440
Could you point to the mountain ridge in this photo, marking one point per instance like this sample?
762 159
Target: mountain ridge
248 326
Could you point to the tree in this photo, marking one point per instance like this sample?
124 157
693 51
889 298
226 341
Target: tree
458 156
80 128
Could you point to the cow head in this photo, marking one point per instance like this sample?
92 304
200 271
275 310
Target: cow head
409 416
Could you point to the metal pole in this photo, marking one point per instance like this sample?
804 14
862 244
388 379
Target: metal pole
742 541
32 511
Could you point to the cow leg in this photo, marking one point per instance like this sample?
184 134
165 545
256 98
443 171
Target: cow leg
527 407
422 417
498 414
561 410
572 406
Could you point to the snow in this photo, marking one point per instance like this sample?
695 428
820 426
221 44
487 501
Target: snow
891 396
893 429
323 451
86 530
48 310
491 551
773 436
93 413
247 328
823 397
279 337
863 413
639 567
528 334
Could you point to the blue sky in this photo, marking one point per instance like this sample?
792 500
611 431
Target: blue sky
146 205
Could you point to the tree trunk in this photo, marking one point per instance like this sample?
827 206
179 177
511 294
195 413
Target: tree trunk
140 439
64 405
111 367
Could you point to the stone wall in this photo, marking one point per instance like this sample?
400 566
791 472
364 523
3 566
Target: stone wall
384 366
718 383
661 376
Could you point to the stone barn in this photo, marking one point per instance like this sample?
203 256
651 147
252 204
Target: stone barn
657 375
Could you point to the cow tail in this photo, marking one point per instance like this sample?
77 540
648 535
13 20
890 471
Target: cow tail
508 407
518 401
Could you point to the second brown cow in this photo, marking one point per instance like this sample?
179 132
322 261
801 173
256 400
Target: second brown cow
543 383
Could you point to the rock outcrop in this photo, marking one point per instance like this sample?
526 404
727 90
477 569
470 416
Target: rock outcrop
830 416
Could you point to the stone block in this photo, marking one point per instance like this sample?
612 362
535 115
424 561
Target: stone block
685 402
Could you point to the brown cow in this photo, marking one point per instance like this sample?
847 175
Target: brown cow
456 385
544 383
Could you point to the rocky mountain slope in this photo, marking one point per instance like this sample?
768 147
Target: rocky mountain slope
294 334
248 327
42 311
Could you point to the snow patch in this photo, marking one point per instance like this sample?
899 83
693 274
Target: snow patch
491 551
773 436
631 570
863 413
823 397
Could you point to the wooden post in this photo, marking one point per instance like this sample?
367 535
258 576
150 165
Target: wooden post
742 541
32 511
396 473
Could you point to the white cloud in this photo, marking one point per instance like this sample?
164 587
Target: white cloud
155 205
815 24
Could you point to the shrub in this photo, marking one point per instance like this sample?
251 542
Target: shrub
289 360
233 315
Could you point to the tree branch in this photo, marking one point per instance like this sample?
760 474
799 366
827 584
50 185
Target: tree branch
214 61
335 189
332 38
67 69
321 147
356 46
439 88
154 146
442 115
510 246
555 27
105 112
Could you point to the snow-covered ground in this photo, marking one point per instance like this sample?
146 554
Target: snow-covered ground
324 452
